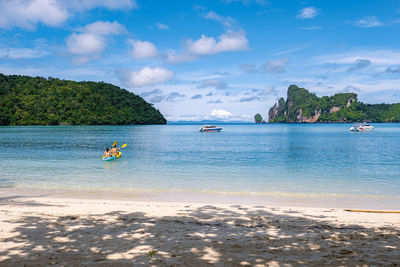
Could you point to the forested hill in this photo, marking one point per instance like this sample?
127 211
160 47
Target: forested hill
302 106
26 100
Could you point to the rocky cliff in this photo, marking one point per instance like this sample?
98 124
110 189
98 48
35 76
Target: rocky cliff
301 106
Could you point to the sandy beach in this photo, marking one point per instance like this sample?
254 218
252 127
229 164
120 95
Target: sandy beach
41 230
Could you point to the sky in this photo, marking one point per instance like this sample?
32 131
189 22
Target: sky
209 59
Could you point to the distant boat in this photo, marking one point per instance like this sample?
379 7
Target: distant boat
210 128
361 127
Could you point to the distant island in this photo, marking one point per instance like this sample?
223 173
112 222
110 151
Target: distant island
259 119
28 100
301 106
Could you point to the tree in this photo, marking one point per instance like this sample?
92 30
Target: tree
258 118
38 101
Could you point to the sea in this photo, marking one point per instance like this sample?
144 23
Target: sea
252 159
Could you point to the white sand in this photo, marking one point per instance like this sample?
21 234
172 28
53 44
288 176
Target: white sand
40 231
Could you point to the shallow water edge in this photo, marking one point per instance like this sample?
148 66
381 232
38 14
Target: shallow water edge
265 200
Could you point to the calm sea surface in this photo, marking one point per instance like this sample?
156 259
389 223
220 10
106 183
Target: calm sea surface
244 159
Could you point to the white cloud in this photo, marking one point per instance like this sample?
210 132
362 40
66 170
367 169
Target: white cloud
21 53
272 66
86 44
307 13
203 46
143 49
359 64
148 76
350 89
268 90
213 83
220 114
226 21
28 13
152 92
363 85
104 28
248 68
230 41
311 28
158 96
295 49
91 42
246 117
246 2
218 101
162 26
197 96
109 4
174 97
392 70
368 22
276 65
377 56
172 57
249 99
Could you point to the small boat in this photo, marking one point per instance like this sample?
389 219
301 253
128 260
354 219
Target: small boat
210 128
112 157
361 127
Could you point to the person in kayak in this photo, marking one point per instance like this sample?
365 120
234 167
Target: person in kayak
114 150
107 153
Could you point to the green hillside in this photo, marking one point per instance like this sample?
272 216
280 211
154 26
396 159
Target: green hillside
302 106
26 100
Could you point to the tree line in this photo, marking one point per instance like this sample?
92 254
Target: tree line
28 100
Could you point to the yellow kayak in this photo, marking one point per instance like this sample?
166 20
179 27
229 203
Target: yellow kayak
112 158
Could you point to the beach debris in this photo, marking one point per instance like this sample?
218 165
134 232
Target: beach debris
151 254
374 211
69 217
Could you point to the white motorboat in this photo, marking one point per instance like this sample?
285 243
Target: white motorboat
210 128
361 127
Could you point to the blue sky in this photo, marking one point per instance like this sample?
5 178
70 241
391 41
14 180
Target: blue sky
220 59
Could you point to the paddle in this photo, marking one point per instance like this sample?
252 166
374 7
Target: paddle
124 145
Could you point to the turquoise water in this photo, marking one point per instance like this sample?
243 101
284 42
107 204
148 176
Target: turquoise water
249 158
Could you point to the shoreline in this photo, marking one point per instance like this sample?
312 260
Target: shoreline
295 200
42 230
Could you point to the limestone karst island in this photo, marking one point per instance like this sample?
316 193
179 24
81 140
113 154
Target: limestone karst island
301 106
